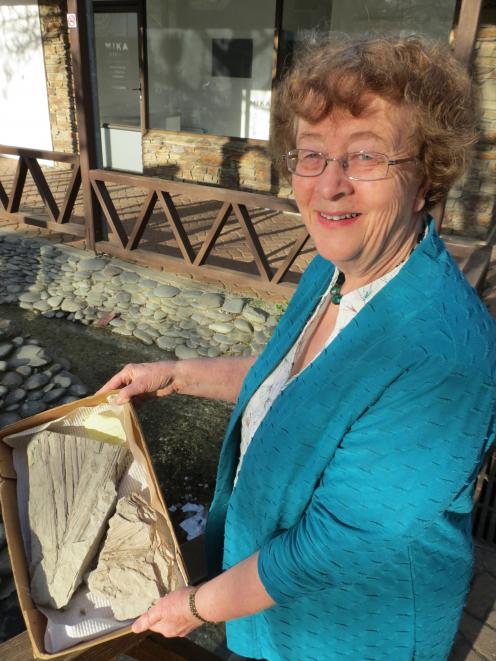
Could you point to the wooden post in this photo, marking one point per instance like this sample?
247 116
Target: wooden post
466 31
78 39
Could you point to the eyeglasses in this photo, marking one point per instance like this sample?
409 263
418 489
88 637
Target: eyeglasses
357 165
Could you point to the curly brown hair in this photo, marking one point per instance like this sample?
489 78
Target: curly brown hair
341 73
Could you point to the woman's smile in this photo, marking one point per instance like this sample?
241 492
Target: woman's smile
337 219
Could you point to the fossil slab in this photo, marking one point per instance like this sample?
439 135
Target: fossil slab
72 493
137 564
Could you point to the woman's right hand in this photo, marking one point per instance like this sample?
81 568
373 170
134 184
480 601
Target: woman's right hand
142 381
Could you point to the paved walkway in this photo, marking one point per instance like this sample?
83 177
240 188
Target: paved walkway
477 634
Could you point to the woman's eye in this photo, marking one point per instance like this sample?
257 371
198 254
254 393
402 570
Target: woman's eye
364 156
310 155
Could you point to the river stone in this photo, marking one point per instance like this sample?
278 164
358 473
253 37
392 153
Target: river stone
128 277
122 330
29 354
41 306
32 408
78 389
72 491
254 314
91 264
15 396
71 305
148 284
3 390
12 380
8 419
220 327
3 365
159 315
55 301
53 395
110 270
182 352
136 565
24 370
123 298
233 305
36 381
143 336
165 291
210 301
5 349
166 343
34 395
29 297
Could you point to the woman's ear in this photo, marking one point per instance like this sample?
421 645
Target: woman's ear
421 195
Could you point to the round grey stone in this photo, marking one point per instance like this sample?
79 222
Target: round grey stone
55 301
62 380
254 314
213 352
3 390
78 389
143 336
71 305
12 380
243 325
29 297
41 306
34 394
122 330
219 327
92 264
5 349
192 293
233 305
111 270
15 396
123 297
148 284
53 395
165 291
182 352
32 408
158 315
166 343
210 300
36 381
129 277
3 365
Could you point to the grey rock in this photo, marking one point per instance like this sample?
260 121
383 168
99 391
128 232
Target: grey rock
36 381
71 305
158 315
166 291
191 293
92 264
147 284
129 277
182 352
8 419
123 298
53 395
243 325
78 390
219 327
68 399
72 491
41 306
12 380
34 395
5 349
3 365
3 390
32 408
55 301
136 564
166 343
143 336
15 396
111 270
233 305
29 297
24 370
121 330
254 314
210 301
28 355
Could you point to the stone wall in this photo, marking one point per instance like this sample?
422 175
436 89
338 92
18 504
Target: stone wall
471 205
180 316
60 88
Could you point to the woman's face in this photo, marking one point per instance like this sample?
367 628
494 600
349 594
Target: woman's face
385 218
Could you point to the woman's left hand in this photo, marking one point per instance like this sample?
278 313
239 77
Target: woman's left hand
170 616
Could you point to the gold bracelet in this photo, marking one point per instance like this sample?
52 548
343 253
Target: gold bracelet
192 606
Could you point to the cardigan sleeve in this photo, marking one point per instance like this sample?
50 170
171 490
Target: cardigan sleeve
409 458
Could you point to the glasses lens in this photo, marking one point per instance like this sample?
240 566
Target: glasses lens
305 162
366 165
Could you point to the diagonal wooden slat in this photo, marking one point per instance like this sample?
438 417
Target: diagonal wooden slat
298 246
43 188
4 198
17 186
71 195
142 221
253 241
213 233
176 225
109 210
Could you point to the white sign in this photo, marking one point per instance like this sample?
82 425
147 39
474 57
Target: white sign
71 21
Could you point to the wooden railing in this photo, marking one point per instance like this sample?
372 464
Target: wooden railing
55 218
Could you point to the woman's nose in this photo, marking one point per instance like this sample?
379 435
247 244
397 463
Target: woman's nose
333 183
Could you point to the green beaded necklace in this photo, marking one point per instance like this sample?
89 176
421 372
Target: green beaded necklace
335 291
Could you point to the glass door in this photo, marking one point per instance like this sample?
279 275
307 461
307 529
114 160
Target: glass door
117 51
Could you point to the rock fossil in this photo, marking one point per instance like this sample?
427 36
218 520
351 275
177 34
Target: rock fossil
72 493
137 564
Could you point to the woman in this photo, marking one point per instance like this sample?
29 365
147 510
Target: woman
340 526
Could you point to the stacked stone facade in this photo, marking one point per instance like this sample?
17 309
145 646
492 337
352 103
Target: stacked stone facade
471 205
58 73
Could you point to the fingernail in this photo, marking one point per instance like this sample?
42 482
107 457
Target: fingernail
137 627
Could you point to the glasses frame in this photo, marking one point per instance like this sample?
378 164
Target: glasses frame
327 158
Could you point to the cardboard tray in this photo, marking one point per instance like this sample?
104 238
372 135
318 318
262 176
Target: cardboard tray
34 619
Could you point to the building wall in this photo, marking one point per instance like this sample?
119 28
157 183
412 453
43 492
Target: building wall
23 98
471 205
55 40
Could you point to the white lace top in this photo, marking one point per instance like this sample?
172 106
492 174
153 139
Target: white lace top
273 385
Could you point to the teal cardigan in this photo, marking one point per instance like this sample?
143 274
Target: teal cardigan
357 486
